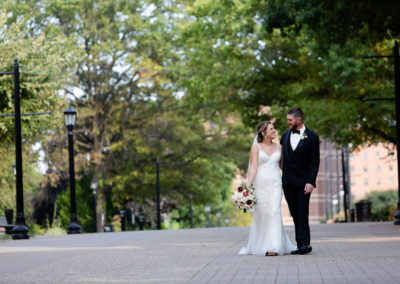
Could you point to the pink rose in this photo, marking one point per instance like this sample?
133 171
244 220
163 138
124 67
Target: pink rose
245 193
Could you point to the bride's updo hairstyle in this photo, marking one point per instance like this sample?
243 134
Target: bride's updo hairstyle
261 127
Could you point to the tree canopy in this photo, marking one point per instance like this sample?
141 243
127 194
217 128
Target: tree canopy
280 54
130 107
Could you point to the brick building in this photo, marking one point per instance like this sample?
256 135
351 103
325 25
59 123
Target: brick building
373 168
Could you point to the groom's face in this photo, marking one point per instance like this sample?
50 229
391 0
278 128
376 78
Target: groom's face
293 121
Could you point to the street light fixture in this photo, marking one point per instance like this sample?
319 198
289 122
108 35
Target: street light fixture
208 210
70 119
93 185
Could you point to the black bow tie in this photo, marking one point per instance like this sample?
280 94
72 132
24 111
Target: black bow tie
295 131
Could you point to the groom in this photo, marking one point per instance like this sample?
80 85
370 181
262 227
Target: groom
300 165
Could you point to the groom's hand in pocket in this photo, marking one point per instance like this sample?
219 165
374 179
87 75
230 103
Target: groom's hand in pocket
308 188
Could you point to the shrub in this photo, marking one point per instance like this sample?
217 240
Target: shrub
381 204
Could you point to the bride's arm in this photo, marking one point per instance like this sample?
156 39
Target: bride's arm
253 165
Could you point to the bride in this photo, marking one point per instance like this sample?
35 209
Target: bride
267 234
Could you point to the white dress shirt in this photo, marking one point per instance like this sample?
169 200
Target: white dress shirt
295 138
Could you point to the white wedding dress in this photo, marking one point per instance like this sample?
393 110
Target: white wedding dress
267 233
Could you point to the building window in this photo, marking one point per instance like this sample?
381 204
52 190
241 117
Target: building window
391 168
378 155
378 181
351 156
352 183
365 169
365 181
391 181
364 155
352 169
378 168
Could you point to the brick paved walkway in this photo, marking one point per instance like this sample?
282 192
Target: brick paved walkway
342 253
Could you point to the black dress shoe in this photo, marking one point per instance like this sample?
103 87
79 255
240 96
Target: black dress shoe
302 250
297 251
305 249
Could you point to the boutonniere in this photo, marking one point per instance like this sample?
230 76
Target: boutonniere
303 136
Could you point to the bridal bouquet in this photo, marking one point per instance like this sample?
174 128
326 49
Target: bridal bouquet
244 197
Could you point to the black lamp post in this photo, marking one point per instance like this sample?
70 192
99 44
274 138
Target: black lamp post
93 185
70 119
397 106
20 230
208 210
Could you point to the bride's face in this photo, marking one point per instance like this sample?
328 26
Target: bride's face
270 132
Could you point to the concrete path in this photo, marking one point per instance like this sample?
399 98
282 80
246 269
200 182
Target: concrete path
342 253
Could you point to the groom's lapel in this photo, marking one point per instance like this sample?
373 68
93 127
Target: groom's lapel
287 145
301 142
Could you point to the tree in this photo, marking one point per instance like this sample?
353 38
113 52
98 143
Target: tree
335 22
255 54
129 105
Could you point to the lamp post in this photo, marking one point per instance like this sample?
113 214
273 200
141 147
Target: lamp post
218 214
20 230
93 185
191 211
70 119
208 210
397 106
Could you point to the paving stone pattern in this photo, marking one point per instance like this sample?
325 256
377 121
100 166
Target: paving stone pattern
342 253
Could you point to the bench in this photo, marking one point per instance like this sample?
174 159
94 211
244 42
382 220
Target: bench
6 225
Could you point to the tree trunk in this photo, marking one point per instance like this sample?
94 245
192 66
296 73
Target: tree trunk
101 211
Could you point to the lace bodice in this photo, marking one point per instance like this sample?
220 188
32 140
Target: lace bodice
264 158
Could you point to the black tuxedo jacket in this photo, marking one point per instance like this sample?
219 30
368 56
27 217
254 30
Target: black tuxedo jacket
301 165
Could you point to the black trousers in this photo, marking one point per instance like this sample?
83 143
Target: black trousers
298 205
